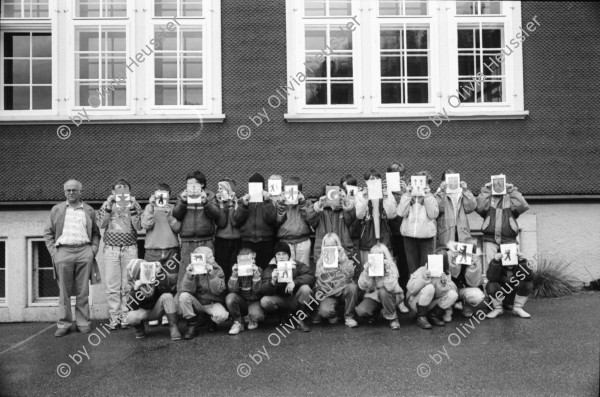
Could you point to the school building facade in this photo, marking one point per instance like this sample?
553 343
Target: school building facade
149 90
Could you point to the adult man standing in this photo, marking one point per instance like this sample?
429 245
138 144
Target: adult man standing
72 238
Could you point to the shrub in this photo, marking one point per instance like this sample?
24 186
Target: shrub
553 278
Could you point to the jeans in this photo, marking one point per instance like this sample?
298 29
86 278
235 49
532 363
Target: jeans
238 307
301 252
187 247
423 298
116 259
190 306
164 304
300 299
73 268
349 295
369 307
417 250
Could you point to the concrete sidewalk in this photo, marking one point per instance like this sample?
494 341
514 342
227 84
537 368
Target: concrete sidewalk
556 353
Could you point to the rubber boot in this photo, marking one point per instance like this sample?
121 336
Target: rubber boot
140 331
422 317
433 316
498 310
175 335
192 330
518 307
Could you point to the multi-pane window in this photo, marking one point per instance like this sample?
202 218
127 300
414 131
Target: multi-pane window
402 7
24 8
329 65
100 66
477 49
179 8
178 67
404 55
101 8
43 284
2 269
327 8
478 7
27 68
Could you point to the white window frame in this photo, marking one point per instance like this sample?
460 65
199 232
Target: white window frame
30 25
23 2
3 300
443 63
139 30
33 301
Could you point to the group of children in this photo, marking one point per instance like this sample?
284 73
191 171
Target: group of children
403 227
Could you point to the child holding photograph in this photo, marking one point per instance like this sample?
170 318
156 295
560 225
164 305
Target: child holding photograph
258 223
395 223
197 220
430 296
500 213
336 284
336 220
120 247
467 278
228 239
382 293
509 286
202 293
149 302
294 223
291 296
374 215
452 222
418 225
244 297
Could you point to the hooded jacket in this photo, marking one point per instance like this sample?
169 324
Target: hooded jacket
294 220
207 288
147 296
328 220
197 220
447 221
419 215
258 221
500 214
300 274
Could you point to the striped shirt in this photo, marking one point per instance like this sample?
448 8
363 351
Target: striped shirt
74 230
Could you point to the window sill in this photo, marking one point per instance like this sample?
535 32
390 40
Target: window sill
336 117
113 119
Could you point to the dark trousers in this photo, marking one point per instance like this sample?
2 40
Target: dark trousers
401 262
417 250
264 251
226 251
509 290
169 259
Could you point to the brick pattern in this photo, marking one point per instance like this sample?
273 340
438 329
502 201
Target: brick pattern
555 151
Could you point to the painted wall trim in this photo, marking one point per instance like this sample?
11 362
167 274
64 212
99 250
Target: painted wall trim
114 119
337 117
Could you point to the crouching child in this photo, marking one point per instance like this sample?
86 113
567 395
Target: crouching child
244 296
202 294
518 283
336 284
382 293
467 278
291 296
429 296
149 302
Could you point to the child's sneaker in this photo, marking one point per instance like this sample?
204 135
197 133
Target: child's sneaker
236 328
125 325
114 324
351 323
153 323
252 324
402 307
165 321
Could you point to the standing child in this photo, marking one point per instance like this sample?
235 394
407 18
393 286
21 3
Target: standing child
293 220
336 284
500 213
258 224
291 296
382 292
452 222
197 221
228 237
244 297
395 224
418 226
120 227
